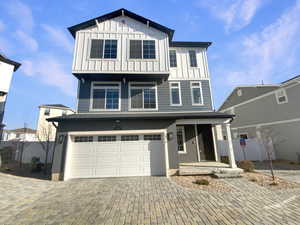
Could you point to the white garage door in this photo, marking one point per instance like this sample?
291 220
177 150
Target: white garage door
115 156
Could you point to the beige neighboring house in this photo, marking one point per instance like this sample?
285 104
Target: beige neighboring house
46 130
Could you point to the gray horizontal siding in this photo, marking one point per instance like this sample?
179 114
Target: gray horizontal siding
163 93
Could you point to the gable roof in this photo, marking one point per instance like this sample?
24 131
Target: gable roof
117 13
248 92
9 61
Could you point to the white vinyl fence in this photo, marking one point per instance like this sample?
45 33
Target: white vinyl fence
254 150
34 149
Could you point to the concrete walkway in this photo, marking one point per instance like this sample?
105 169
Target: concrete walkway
141 200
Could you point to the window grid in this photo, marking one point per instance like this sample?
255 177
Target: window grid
152 137
106 96
142 49
193 58
129 138
281 96
143 96
107 138
101 48
175 93
83 139
173 59
196 93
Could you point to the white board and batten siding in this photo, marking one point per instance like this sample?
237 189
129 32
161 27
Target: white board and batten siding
184 71
122 29
6 72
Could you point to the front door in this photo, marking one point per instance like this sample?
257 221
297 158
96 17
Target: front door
205 140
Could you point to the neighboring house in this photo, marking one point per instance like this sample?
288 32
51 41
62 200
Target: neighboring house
20 134
268 111
144 102
45 130
7 67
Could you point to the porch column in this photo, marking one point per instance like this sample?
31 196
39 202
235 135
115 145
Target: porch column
230 147
213 129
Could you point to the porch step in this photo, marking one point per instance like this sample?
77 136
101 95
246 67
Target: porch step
195 172
227 173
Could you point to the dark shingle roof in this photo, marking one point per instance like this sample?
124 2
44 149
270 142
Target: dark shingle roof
117 13
9 61
190 44
98 116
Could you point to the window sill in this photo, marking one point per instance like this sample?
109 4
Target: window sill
102 59
176 105
141 110
105 110
181 152
144 60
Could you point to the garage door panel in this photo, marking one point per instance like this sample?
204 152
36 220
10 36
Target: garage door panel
116 158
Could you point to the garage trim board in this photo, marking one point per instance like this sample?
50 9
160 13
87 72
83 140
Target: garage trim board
70 146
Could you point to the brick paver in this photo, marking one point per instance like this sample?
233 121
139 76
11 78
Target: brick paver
142 200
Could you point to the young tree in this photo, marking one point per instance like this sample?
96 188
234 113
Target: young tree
269 138
45 136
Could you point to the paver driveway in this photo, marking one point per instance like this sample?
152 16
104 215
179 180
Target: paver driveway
141 200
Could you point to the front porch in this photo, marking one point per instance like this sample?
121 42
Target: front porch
198 151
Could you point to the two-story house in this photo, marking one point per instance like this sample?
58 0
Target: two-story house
144 102
7 67
268 113
47 131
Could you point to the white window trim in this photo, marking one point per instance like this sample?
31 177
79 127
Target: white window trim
104 87
129 96
175 57
90 49
183 136
192 94
284 94
137 39
179 87
189 56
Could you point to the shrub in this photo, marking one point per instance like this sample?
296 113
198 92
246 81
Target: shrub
246 165
274 183
202 182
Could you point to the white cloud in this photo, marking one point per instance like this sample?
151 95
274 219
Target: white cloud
235 14
270 53
51 71
59 37
21 13
26 40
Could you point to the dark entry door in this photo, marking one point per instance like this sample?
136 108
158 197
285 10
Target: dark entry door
205 139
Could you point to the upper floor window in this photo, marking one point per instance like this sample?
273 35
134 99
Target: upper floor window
143 96
105 96
193 58
175 93
109 51
196 90
173 59
47 112
281 96
142 49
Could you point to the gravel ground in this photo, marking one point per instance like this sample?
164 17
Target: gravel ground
215 185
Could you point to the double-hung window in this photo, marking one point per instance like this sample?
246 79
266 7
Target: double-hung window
105 96
106 49
175 93
173 59
193 58
143 96
196 93
142 49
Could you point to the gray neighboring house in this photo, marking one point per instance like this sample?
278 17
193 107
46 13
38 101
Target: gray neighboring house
144 102
7 67
268 111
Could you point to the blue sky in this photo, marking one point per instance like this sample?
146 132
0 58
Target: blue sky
253 40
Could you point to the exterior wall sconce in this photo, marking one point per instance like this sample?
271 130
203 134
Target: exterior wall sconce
170 136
